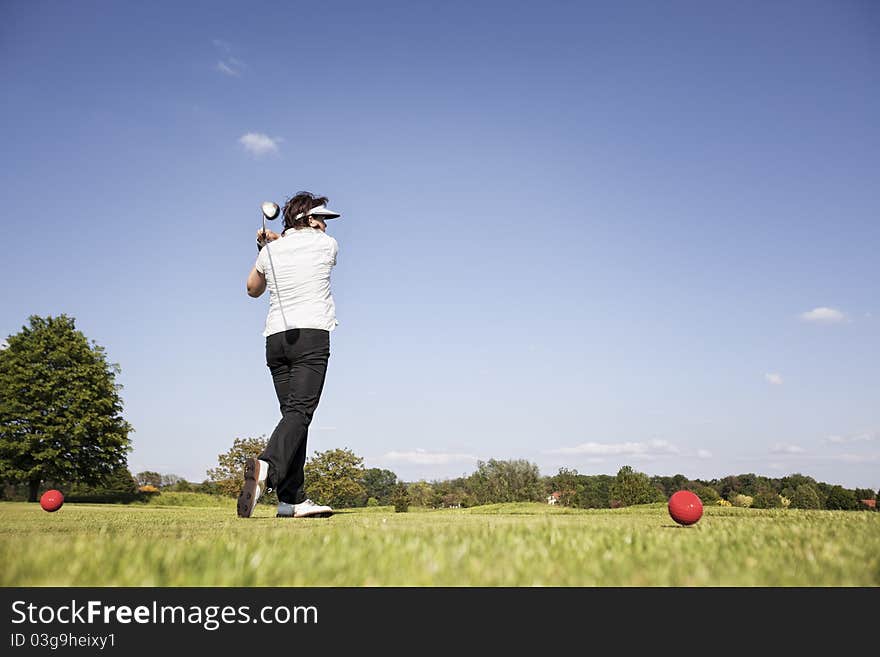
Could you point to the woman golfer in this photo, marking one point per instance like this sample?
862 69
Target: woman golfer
295 266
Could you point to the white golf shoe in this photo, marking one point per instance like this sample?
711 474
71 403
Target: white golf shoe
308 509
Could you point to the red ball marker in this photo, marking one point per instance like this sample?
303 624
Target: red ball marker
52 500
685 507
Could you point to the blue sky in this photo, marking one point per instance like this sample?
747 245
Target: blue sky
582 234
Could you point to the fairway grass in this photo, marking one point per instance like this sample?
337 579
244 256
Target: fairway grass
497 545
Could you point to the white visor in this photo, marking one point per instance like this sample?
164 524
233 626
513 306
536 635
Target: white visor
319 211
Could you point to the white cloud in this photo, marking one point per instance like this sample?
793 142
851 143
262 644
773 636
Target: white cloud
782 448
857 438
823 315
774 378
856 458
257 144
704 454
228 69
228 65
644 449
423 457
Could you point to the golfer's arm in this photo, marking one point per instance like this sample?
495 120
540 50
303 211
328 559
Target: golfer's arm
256 283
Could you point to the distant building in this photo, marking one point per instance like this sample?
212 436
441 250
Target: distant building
553 498
871 504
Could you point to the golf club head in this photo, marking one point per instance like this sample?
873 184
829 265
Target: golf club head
270 210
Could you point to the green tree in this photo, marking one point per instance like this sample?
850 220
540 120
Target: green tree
864 494
841 498
729 486
792 481
60 412
506 481
400 498
380 484
334 477
148 478
631 487
766 499
750 483
597 492
421 493
805 497
707 494
228 477
568 483
182 486
453 493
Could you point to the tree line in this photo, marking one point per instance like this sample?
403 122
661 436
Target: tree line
338 477
61 426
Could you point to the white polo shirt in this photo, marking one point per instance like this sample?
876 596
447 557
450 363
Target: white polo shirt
301 298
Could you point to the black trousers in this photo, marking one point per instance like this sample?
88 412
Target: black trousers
297 359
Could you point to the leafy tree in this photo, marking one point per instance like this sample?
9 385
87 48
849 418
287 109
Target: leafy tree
631 487
506 481
372 501
864 494
421 493
182 486
805 496
729 487
841 498
400 498
744 501
207 487
169 480
792 481
60 412
569 484
707 494
334 477
750 483
679 482
453 492
669 485
597 492
766 499
148 478
228 477
380 484
454 498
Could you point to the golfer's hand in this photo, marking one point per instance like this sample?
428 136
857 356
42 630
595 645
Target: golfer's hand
270 236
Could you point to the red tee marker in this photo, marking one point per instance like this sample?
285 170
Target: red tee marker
52 500
685 507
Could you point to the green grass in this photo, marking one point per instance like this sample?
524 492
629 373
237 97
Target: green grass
497 545
190 499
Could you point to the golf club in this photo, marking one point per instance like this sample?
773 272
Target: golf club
271 211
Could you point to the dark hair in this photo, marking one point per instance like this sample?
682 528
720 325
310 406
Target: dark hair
301 203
